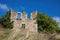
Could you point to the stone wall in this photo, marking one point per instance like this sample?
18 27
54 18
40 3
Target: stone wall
30 24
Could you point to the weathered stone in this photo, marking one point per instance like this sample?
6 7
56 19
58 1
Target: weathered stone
30 24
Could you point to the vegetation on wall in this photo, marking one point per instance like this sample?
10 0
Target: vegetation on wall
6 21
46 23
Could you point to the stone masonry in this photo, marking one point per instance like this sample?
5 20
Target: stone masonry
30 24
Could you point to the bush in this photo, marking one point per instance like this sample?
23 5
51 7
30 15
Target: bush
6 21
46 23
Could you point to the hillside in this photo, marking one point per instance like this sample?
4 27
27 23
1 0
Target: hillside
47 29
4 33
7 34
10 34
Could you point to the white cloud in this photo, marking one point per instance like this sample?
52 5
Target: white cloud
57 20
4 7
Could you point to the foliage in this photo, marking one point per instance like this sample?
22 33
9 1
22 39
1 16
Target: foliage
46 23
5 21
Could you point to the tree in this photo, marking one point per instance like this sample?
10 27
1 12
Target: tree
6 21
46 23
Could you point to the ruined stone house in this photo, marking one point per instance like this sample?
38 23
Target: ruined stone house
23 22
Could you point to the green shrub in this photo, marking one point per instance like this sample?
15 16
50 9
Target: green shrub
46 23
6 21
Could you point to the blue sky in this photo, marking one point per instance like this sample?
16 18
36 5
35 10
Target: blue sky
49 7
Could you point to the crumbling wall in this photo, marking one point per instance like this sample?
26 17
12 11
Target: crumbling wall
30 24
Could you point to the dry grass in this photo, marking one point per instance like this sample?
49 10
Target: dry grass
4 34
21 35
